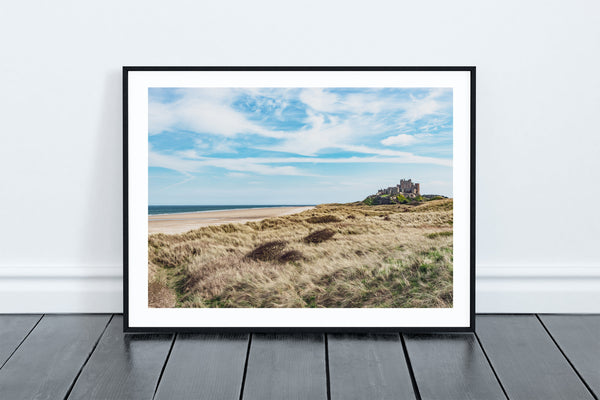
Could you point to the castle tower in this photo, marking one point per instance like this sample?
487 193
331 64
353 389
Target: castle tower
418 188
406 186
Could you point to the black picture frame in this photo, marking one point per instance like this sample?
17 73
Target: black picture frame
126 70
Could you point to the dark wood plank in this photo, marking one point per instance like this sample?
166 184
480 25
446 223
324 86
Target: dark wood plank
204 367
526 360
123 366
13 329
579 338
368 366
46 364
286 366
451 366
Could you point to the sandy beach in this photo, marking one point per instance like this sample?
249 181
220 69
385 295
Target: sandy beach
181 223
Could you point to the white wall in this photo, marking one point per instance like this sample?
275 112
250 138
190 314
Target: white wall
537 127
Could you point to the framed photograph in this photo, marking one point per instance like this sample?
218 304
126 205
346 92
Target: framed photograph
327 199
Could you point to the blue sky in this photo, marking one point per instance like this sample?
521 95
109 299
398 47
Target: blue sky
222 146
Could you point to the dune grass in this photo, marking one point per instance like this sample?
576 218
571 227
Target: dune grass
336 255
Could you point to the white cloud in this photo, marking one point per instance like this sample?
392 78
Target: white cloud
419 108
201 116
399 140
189 154
435 124
200 144
237 174
160 117
205 111
244 165
364 103
380 156
326 133
320 100
224 146
264 165
210 112
389 156
311 141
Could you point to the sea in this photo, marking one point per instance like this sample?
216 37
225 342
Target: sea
157 210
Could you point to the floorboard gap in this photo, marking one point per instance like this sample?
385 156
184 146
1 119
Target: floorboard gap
87 358
410 369
566 358
162 371
327 375
491 366
21 342
246 366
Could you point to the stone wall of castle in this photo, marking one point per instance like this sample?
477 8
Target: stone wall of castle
406 188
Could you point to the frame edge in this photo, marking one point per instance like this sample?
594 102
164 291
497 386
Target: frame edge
128 329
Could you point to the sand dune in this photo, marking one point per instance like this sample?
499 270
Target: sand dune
180 223
334 256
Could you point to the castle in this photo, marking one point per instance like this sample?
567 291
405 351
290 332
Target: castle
406 188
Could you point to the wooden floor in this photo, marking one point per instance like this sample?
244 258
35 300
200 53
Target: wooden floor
511 356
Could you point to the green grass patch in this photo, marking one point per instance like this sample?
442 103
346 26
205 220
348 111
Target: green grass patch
436 235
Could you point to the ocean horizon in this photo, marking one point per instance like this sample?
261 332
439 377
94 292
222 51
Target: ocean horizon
182 209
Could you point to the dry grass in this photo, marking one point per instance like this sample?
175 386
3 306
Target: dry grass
368 256
323 219
160 296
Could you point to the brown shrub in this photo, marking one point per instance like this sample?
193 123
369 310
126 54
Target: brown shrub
387 218
319 236
292 255
323 219
160 296
351 216
269 251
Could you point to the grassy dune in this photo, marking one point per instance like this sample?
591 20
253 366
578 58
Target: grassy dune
336 255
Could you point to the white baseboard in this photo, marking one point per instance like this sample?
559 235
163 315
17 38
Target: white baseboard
47 289
61 289
538 289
